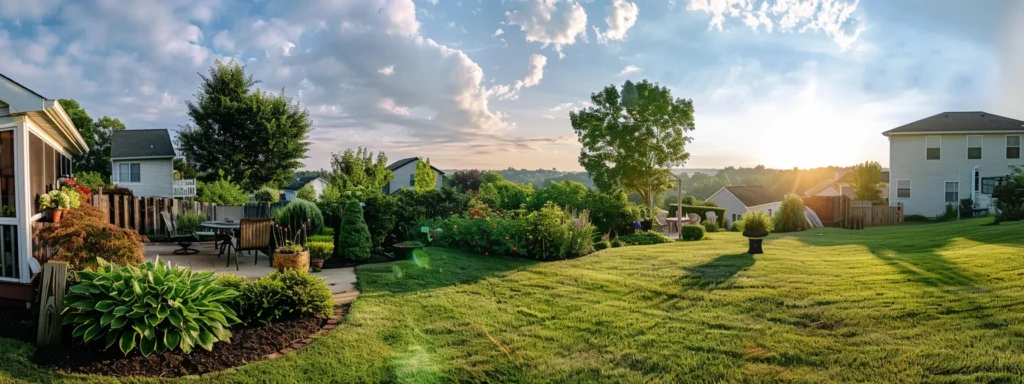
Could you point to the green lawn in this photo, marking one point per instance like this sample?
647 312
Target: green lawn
923 303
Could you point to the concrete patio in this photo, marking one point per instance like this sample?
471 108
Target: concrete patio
341 281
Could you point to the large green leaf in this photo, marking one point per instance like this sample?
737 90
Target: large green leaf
92 332
84 288
171 338
107 318
127 342
175 318
112 337
105 305
206 340
147 345
118 322
122 310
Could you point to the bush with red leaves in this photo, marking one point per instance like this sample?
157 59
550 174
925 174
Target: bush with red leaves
84 234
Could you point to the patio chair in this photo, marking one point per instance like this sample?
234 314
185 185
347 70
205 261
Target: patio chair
254 235
660 222
694 218
184 240
712 217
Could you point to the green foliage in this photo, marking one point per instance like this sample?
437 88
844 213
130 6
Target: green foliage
917 218
222 192
97 137
791 216
700 210
505 195
693 232
949 214
184 170
737 226
603 244
865 179
631 137
360 168
612 212
710 226
307 192
153 307
280 296
190 222
757 222
322 250
85 234
267 195
353 236
92 180
645 238
617 243
299 213
380 214
254 137
425 178
569 195
414 206
467 180
1010 196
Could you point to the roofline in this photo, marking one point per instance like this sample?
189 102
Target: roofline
142 158
938 133
755 206
410 161
22 86
303 185
65 123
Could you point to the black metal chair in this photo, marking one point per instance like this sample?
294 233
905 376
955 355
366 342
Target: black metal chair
184 240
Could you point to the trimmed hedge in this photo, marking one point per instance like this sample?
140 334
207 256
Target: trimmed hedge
699 210
693 232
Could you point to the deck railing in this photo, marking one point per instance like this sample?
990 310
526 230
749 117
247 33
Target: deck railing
185 188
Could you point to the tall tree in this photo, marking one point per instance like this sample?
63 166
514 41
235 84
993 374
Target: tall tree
467 180
631 138
254 137
425 179
360 168
96 135
864 179
80 118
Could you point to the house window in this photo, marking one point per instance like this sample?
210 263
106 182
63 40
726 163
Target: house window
129 172
1013 147
903 188
974 147
934 144
989 184
412 180
7 203
952 192
734 217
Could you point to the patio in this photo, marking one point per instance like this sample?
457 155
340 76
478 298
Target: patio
341 281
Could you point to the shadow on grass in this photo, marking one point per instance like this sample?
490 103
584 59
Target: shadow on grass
717 271
432 268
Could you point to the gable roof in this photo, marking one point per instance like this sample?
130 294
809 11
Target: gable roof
141 144
300 182
401 163
752 195
48 114
959 122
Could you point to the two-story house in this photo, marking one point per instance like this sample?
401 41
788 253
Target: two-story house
405 175
951 156
143 161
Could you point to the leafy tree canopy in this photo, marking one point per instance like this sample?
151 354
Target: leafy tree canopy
255 137
184 170
865 179
632 137
467 180
360 168
425 177
96 135
307 192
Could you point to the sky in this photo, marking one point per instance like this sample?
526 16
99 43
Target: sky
490 83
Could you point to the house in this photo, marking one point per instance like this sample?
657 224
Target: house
941 159
405 172
841 185
143 160
737 200
37 142
317 183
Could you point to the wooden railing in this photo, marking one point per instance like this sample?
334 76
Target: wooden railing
185 188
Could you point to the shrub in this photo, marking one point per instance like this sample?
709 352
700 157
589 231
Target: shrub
379 212
121 191
307 192
506 195
297 213
90 179
84 234
603 244
267 195
791 215
611 212
567 194
320 249
737 226
222 192
280 295
917 218
711 226
1010 196
190 222
645 238
757 222
414 206
353 236
701 211
617 243
154 307
949 214
693 232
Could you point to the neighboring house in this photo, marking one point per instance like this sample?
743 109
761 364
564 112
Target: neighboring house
317 183
37 143
737 200
951 156
143 160
405 172
840 185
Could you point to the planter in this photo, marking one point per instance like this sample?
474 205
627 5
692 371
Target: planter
755 238
56 215
299 261
318 265
404 251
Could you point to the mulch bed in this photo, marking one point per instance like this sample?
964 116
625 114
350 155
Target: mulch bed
247 345
19 324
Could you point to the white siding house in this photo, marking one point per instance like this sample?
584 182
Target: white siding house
143 160
951 156
291 190
737 200
405 171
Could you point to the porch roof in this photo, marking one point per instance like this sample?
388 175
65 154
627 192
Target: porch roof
45 113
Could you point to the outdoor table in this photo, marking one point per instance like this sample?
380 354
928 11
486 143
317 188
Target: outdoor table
676 226
221 226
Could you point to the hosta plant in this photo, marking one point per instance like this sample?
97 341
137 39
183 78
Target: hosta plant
154 307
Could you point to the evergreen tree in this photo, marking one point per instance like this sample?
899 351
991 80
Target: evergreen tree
425 178
352 238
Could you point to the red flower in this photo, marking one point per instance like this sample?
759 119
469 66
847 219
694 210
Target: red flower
486 253
514 249
494 224
506 237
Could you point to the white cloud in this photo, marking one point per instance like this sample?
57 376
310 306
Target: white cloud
1009 96
388 104
401 16
30 9
499 32
387 71
621 17
537 63
551 22
833 17
560 107
629 69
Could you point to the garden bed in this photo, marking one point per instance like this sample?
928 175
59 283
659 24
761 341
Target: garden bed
19 323
247 345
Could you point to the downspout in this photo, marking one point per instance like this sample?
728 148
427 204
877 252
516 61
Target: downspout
974 181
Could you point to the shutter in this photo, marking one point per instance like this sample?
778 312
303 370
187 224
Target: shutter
114 174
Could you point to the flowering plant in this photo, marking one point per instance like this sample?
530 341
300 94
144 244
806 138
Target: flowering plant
56 199
289 240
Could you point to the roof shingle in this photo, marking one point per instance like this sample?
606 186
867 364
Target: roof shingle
960 122
141 143
752 195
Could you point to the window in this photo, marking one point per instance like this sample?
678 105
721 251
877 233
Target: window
129 172
1013 147
734 217
974 147
989 184
769 211
934 144
7 202
952 192
903 189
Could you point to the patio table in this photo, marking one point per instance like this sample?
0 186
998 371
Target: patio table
221 226
675 227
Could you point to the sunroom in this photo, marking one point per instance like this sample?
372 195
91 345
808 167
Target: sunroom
37 142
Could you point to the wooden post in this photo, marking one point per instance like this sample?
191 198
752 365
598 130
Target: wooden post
55 277
679 207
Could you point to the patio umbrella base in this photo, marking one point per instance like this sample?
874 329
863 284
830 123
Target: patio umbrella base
185 249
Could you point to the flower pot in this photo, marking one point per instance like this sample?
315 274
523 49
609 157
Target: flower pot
299 261
404 251
754 239
318 264
56 215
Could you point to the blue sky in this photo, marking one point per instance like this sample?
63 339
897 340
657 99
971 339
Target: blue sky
489 84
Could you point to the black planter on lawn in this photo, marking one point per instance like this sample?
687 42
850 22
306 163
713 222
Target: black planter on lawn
646 225
404 250
755 239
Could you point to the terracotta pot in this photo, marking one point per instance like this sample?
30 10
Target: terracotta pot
754 239
299 261
318 263
56 215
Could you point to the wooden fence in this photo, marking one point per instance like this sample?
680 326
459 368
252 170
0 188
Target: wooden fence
143 213
843 212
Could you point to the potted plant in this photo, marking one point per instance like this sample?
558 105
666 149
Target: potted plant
318 252
54 203
291 251
405 249
756 227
